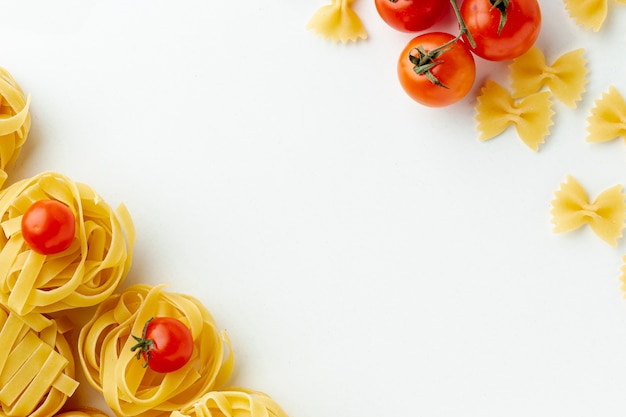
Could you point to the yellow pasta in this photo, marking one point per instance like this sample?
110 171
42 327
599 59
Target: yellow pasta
338 22
233 402
14 121
566 77
497 109
36 368
85 274
608 117
591 14
83 412
129 388
572 209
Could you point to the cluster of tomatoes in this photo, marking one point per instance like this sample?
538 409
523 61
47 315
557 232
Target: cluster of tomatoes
438 68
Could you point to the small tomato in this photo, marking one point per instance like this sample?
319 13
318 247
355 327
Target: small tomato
412 15
48 226
166 344
435 70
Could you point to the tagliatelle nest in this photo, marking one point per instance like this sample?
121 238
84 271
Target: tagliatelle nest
131 389
233 402
85 274
14 121
83 412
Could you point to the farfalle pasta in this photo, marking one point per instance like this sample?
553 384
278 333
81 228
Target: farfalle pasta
84 274
338 22
497 110
607 120
591 14
606 215
36 368
566 77
130 389
236 402
14 121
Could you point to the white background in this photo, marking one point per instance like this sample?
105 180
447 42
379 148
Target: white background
367 256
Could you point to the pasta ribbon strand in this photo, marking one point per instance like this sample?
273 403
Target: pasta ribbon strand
572 209
338 22
608 117
566 77
497 109
232 402
129 388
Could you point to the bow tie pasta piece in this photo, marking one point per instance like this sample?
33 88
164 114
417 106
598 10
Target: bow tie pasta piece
589 13
608 117
84 274
36 368
14 121
338 22
566 77
131 389
606 215
497 109
234 402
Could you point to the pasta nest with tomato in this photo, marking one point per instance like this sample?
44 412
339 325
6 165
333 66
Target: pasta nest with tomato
85 274
111 366
36 368
233 402
14 121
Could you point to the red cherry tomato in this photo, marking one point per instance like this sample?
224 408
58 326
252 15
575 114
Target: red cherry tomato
412 15
454 69
48 226
166 344
518 33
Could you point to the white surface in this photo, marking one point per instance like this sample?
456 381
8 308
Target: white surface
368 256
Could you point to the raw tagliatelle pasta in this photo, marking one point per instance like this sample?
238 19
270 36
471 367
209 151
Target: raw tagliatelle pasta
497 109
32 284
572 209
232 402
14 121
36 368
591 14
566 77
129 388
608 117
83 412
338 22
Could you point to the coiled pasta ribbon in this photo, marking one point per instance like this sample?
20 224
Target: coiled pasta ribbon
591 14
572 209
129 388
338 22
36 368
85 274
14 121
83 412
234 402
497 109
566 77
608 117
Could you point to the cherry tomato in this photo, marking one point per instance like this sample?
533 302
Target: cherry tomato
519 31
48 226
166 344
449 79
412 15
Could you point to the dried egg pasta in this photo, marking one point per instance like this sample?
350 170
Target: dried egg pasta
566 77
338 22
572 209
83 275
83 412
36 368
233 402
129 388
14 121
608 117
497 109
591 14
